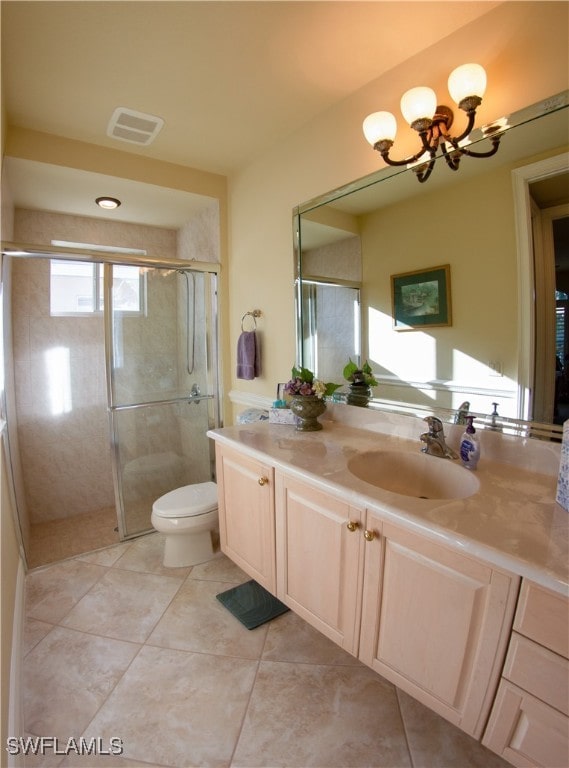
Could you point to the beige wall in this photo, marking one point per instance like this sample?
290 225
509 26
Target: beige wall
523 47
429 231
10 562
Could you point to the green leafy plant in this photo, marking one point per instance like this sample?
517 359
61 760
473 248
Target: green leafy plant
303 383
359 375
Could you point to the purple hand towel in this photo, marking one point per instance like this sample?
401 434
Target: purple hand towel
247 356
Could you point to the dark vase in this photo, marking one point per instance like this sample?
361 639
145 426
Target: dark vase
359 394
307 408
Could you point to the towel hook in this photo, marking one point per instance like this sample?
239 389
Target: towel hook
254 314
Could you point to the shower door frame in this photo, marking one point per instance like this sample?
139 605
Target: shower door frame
25 250
212 376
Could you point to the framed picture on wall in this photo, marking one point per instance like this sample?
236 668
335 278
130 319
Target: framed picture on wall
421 299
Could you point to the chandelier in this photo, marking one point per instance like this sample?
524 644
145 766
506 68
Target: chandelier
432 122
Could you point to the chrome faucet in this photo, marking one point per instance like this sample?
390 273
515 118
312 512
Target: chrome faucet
462 413
195 394
434 439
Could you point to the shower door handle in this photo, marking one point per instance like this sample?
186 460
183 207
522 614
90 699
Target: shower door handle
153 403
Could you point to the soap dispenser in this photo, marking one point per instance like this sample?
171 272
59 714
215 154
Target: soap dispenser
469 445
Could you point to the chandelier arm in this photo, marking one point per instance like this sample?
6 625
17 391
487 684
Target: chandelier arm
389 161
495 146
471 118
384 145
424 170
451 154
405 161
422 173
452 162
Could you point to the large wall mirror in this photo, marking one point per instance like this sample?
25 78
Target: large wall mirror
453 290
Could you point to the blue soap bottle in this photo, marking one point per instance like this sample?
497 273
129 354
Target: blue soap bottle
469 445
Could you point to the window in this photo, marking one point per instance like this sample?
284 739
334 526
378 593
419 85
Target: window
76 288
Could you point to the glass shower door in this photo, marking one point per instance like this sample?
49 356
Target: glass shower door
163 389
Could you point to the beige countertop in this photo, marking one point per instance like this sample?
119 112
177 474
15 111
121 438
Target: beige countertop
512 521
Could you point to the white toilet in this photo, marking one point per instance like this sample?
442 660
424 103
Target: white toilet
187 516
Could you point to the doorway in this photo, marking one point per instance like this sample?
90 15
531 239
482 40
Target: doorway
550 226
541 194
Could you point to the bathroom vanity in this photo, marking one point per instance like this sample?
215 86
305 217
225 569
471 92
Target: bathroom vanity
460 601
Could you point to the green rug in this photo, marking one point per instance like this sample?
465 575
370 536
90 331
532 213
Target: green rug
251 604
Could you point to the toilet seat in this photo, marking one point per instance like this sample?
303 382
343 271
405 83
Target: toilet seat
187 501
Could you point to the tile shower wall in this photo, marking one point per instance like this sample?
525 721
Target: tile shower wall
199 239
41 227
341 260
59 369
65 455
334 306
192 355
336 331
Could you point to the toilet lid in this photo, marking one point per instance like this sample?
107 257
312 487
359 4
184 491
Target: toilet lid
188 501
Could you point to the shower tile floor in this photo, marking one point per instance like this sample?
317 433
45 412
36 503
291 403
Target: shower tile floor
59 539
117 646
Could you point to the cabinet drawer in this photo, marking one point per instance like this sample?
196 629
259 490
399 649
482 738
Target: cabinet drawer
543 616
538 671
527 732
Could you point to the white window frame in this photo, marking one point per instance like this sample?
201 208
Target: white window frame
97 297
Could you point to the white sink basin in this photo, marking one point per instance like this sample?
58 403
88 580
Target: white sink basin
414 474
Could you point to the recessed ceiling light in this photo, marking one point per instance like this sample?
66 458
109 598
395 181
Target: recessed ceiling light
109 203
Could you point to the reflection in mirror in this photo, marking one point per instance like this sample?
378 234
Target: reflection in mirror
498 347
330 308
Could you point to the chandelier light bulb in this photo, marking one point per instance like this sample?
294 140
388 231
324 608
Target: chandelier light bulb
379 126
467 80
418 104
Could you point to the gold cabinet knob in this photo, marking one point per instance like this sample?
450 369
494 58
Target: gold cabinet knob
352 526
369 535
263 480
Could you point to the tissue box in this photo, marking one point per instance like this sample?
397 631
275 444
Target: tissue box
563 477
281 416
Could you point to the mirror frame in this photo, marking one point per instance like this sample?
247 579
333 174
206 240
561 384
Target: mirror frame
523 427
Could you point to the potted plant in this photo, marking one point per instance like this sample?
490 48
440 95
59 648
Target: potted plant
361 381
307 398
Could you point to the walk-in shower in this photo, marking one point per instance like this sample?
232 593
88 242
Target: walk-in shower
111 384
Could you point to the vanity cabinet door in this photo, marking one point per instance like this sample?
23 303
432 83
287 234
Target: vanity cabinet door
246 514
435 623
526 731
529 723
319 548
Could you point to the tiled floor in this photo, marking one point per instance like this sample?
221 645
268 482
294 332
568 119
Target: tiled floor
118 646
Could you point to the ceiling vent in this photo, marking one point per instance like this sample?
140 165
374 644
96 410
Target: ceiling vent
134 127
